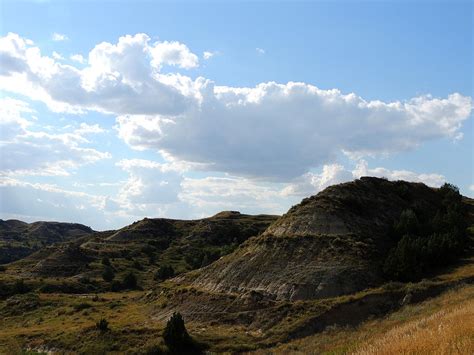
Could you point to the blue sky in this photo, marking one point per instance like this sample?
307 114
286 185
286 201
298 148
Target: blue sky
189 107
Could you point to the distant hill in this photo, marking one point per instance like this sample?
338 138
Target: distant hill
19 239
143 247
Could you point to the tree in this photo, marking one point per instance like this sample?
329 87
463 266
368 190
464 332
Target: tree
164 272
108 274
177 338
130 281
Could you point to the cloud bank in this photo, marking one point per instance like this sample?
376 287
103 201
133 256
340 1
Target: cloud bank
273 131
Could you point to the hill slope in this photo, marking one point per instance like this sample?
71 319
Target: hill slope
19 239
142 248
330 244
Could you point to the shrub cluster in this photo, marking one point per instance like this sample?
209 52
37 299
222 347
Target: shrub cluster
428 240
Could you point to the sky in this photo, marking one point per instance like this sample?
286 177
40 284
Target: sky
112 111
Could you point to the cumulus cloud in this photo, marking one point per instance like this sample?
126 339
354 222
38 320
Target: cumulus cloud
57 56
260 51
311 183
173 53
282 130
119 78
58 37
272 131
149 182
25 151
77 58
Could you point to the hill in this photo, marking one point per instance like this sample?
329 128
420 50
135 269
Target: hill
331 244
153 249
19 239
354 255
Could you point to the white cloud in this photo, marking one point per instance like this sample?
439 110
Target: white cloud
471 187
208 55
78 58
59 37
31 152
57 56
283 130
311 183
173 53
277 131
260 51
85 128
120 78
434 180
33 202
149 182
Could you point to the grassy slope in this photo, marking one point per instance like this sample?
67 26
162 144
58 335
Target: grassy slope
442 325
62 321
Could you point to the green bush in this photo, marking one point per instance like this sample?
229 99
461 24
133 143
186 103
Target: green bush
164 272
177 338
428 240
130 281
108 274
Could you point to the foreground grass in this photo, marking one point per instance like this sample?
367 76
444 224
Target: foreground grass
442 325
447 331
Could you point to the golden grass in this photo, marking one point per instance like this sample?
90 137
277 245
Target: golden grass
442 325
449 331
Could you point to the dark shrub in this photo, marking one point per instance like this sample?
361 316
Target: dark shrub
102 325
164 272
108 274
177 338
105 261
116 286
20 287
129 281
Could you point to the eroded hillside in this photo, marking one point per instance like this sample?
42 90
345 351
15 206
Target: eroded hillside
331 244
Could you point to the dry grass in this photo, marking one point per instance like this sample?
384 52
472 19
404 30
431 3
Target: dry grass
442 325
449 331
